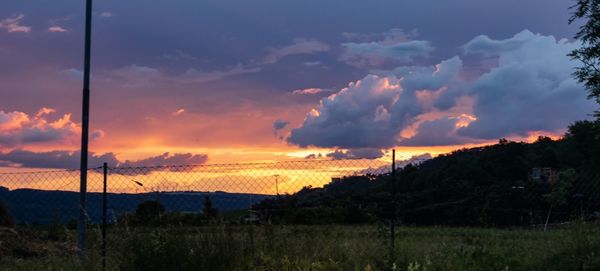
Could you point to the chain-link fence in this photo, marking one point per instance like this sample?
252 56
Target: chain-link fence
285 215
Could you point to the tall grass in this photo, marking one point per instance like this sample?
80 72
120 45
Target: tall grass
278 247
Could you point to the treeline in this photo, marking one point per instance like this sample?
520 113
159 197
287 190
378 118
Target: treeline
507 184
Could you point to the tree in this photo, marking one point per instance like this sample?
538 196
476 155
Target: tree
559 191
208 210
149 210
589 53
6 218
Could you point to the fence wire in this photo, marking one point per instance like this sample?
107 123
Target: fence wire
267 214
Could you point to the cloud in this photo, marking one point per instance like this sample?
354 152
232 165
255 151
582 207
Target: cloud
73 73
394 35
97 134
135 76
167 159
312 63
56 29
178 112
314 156
373 111
361 153
279 125
352 118
53 159
530 89
311 91
71 160
300 47
180 55
394 48
18 128
438 132
13 25
106 14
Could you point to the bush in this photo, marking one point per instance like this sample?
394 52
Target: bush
6 218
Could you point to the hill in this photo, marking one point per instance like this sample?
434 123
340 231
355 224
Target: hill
48 207
507 184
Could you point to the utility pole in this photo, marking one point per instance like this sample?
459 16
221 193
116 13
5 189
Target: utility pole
85 127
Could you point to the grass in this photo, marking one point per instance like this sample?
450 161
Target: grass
275 247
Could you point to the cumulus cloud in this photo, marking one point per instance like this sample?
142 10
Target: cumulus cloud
299 47
394 48
13 24
360 153
530 89
18 128
372 112
56 29
71 160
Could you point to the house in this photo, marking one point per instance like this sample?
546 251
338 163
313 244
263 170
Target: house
543 174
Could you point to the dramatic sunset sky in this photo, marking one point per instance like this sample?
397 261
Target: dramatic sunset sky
269 80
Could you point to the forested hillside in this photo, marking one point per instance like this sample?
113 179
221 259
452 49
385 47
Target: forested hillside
507 184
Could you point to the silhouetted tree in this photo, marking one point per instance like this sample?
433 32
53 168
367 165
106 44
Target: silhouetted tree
589 53
149 210
208 210
6 218
560 191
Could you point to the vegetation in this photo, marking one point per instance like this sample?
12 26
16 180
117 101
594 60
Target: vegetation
486 186
271 247
6 218
589 53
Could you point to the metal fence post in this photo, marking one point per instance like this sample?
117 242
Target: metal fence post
105 174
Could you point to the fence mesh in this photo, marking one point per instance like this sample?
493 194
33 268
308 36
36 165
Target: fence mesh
276 215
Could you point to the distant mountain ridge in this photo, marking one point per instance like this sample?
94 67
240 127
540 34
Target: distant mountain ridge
46 207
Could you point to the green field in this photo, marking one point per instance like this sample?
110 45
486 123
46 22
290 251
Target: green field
306 248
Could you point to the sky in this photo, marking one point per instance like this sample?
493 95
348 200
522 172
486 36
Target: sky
228 81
